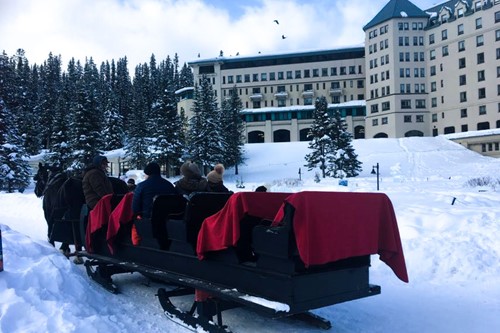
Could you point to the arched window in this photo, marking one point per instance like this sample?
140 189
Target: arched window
359 132
413 133
483 126
380 135
304 134
281 136
256 137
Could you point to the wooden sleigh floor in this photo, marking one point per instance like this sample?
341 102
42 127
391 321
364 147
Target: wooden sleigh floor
261 270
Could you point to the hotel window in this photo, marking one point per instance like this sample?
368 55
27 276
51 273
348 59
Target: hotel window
434 117
420 103
463 96
281 76
352 69
414 26
479 23
289 75
480 76
384 120
460 12
434 102
298 74
433 86
238 78
255 77
407 41
498 52
407 119
247 77
497 17
419 118
477 5
444 34
480 40
463 113
415 41
402 88
461 63
482 109
374 108
460 29
333 71
272 76
465 128
307 73
405 104
445 50
433 70
324 71
480 58
481 93
343 69
497 35
315 72
386 106
263 76
431 39
461 46
462 80
374 122
432 54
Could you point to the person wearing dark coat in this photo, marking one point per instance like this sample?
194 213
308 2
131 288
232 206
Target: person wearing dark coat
192 181
144 193
95 181
214 179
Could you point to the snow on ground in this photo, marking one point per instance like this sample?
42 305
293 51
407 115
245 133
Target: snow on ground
450 234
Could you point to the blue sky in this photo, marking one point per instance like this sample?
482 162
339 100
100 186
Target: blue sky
112 29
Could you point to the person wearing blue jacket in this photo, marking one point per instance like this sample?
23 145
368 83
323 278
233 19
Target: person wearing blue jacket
144 193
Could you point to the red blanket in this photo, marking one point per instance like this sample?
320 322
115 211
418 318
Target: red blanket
330 226
98 217
222 229
120 215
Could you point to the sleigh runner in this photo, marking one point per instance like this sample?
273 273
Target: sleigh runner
278 254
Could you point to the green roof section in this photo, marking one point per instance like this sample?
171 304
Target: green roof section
396 9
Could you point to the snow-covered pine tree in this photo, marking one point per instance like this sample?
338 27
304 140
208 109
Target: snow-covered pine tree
14 167
232 130
138 139
204 136
86 116
342 160
113 122
320 139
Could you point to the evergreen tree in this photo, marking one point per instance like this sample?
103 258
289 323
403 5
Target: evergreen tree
138 132
204 136
113 122
87 119
343 161
320 138
14 167
186 77
232 130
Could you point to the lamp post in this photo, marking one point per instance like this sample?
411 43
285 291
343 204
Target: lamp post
375 171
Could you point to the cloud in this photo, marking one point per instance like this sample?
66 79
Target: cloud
112 29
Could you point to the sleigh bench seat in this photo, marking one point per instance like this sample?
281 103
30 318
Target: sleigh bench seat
183 232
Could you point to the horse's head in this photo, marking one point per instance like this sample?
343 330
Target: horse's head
41 179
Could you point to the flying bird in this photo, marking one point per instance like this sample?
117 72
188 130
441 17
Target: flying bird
283 36
276 21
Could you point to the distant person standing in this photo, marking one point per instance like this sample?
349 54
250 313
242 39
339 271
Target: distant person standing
95 181
131 184
144 193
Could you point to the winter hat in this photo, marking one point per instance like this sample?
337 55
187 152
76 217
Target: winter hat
98 160
214 177
131 181
152 169
190 170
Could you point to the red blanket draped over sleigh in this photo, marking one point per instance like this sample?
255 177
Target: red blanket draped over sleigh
222 229
98 217
120 215
330 226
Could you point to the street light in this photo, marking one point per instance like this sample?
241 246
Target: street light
375 171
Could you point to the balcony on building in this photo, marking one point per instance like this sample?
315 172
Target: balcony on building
308 93
281 95
336 91
255 97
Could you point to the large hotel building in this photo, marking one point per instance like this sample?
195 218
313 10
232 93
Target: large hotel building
420 73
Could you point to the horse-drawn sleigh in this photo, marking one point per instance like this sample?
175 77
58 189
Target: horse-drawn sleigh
280 254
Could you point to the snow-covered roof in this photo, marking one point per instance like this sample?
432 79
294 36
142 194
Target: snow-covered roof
471 134
357 103
183 90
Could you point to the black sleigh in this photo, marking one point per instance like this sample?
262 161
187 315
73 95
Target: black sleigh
279 254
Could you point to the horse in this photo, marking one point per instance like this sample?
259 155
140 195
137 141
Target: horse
63 198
